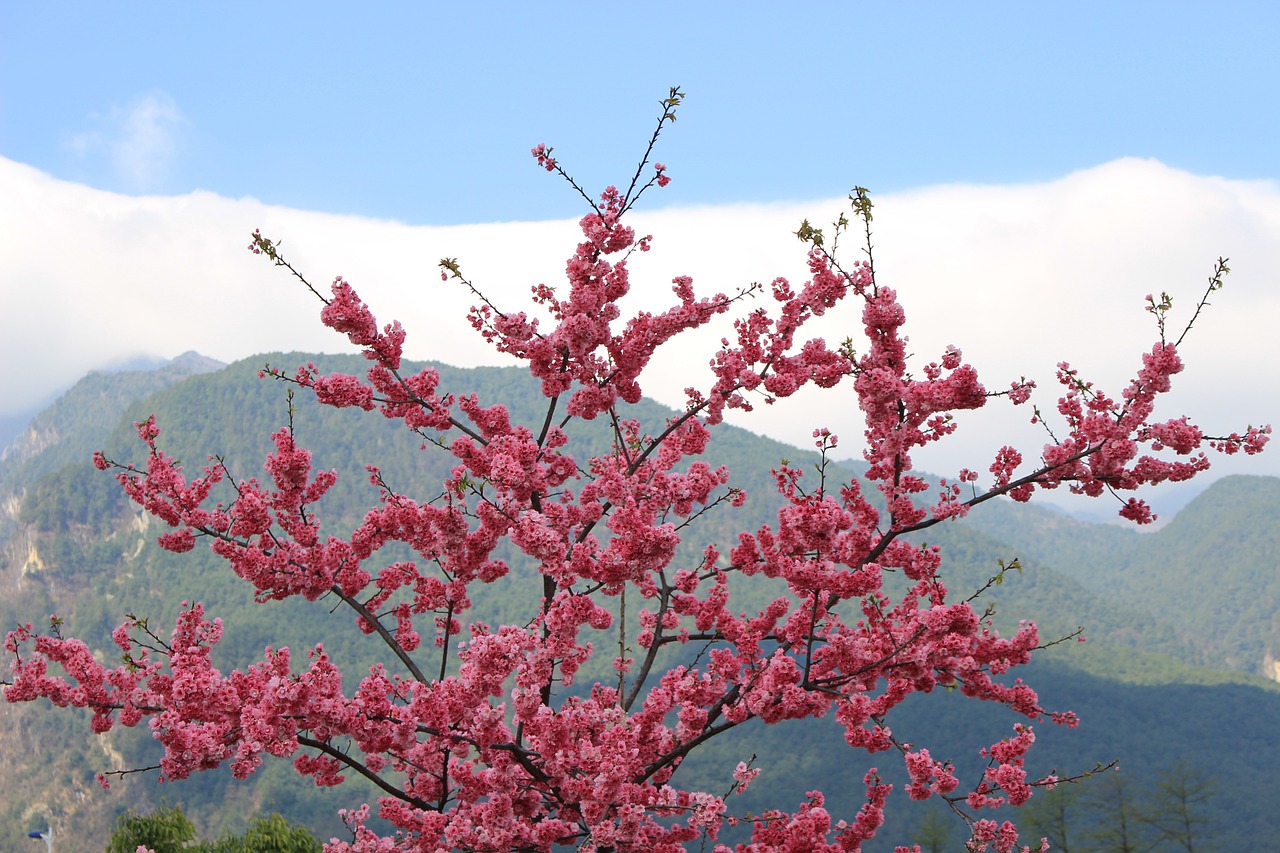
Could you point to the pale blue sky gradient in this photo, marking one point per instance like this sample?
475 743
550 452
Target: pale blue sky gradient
424 112
1037 168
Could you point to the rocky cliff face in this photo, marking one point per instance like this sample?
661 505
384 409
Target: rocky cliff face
17 544
35 439
1270 666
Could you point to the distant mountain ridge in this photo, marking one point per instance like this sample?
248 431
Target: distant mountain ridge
100 396
12 426
1213 572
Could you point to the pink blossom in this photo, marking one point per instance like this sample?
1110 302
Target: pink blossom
484 737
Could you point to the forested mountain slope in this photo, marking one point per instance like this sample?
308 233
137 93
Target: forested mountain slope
1200 591
1212 574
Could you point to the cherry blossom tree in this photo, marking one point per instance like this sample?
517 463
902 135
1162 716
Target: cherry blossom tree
476 735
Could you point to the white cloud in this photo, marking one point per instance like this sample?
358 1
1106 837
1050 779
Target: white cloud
137 141
1020 277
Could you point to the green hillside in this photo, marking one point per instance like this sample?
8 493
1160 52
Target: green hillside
1212 574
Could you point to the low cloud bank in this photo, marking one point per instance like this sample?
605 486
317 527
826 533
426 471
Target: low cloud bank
1019 277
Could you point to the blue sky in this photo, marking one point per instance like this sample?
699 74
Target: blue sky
1037 168
424 112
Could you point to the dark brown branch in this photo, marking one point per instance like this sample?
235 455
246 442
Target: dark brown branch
382 631
334 752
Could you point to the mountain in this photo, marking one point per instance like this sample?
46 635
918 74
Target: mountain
1180 621
14 426
86 412
1212 574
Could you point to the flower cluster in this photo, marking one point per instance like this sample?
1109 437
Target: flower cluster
542 154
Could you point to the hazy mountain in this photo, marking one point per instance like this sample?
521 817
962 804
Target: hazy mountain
1212 573
67 429
12 426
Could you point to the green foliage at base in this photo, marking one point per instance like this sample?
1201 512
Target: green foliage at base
167 830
